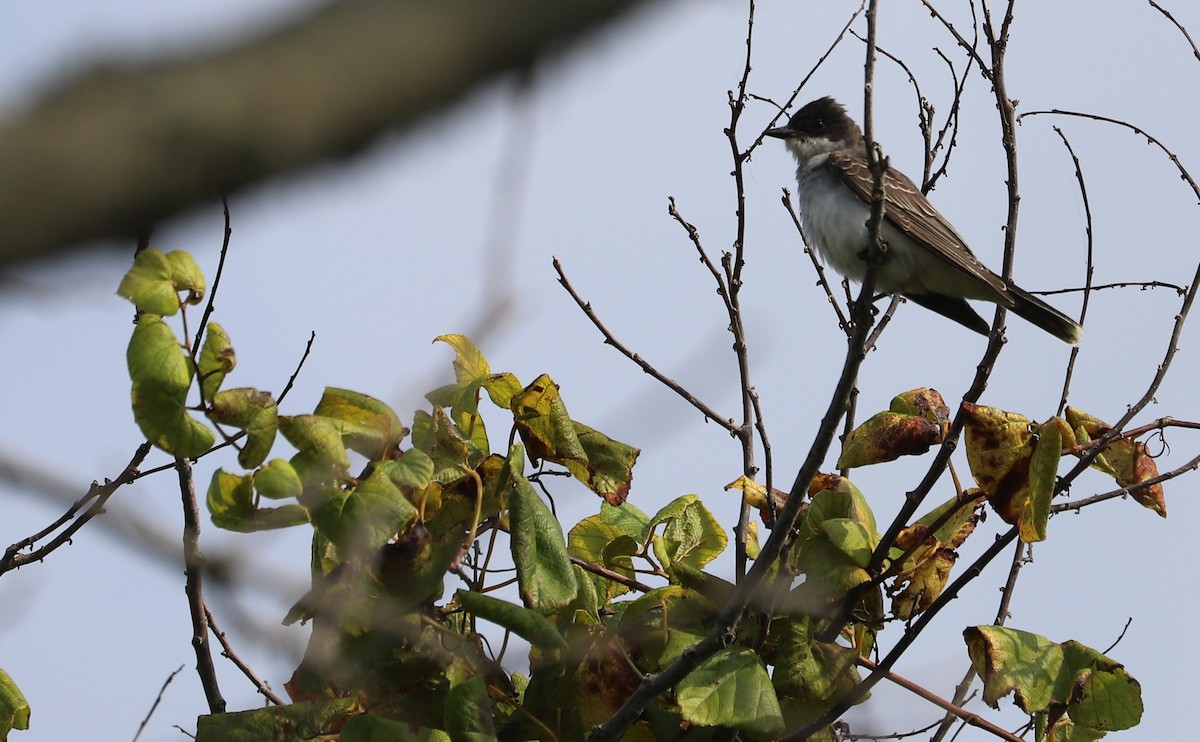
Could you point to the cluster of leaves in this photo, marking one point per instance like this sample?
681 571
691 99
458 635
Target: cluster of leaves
392 656
1072 691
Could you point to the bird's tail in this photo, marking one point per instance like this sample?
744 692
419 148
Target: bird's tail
1034 310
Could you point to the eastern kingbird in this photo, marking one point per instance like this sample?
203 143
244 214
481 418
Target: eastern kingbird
926 261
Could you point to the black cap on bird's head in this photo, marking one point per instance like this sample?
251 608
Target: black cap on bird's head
823 118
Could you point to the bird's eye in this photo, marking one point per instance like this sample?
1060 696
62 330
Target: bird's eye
818 124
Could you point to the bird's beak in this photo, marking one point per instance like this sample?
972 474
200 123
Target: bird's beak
781 132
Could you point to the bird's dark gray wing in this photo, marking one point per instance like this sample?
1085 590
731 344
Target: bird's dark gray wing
908 210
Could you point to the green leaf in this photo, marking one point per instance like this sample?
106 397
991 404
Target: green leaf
231 503
604 465
832 556
544 573
368 426
1017 662
1043 475
161 375
155 280
438 438
691 535
628 519
731 689
277 480
469 363
603 544
216 360
413 469
851 538
14 709
524 622
254 412
542 420
469 710
318 441
806 668
276 723
502 388
362 520
609 468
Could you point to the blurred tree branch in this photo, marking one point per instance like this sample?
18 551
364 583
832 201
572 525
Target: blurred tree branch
122 147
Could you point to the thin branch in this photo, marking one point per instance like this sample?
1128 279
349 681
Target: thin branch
970 49
157 700
1076 505
1143 285
694 235
212 292
193 562
228 653
1089 273
97 494
312 336
843 323
608 574
1182 30
973 719
734 264
1128 623
610 339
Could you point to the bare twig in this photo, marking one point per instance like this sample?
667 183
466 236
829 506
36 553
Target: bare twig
1191 465
1143 285
751 419
973 719
1110 647
611 339
1089 272
193 562
1002 614
608 574
97 494
157 700
820 269
216 282
1182 30
228 653
303 357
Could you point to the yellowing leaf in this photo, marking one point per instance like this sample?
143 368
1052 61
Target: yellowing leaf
162 375
368 426
156 278
469 363
252 411
886 437
1125 460
231 503
216 360
691 535
915 421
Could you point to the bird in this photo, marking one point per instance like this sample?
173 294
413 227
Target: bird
927 261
